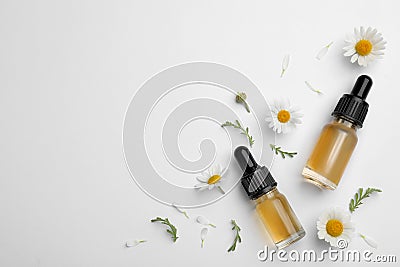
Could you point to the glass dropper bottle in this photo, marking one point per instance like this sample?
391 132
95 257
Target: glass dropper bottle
338 139
272 207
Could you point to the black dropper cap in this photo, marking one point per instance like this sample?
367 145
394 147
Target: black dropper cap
353 107
256 180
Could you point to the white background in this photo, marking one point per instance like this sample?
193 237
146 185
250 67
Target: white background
68 70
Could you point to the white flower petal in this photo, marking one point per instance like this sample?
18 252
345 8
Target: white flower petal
332 241
370 241
368 32
322 234
202 179
362 32
377 52
323 51
271 124
134 243
349 52
376 39
354 58
203 233
201 187
371 33
285 128
178 208
357 34
296 121
285 64
361 61
202 220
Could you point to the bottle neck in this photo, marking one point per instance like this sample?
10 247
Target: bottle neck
345 122
268 195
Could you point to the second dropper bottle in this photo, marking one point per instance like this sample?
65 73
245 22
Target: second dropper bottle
272 207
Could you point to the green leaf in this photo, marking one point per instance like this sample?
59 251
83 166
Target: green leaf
172 231
237 236
243 130
360 195
277 149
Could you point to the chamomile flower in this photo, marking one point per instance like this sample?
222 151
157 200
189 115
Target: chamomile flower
335 225
364 46
283 117
210 179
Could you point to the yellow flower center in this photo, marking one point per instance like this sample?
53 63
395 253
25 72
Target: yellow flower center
363 47
214 179
283 116
334 227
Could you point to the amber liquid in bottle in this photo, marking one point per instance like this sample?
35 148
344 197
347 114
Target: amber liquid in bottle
272 207
279 219
331 154
338 139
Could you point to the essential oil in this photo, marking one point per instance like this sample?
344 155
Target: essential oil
272 207
338 139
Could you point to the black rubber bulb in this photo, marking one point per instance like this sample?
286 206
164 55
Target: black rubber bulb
245 160
362 86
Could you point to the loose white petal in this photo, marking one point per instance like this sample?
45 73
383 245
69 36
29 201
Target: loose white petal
204 221
134 243
312 88
323 51
285 64
181 210
370 241
203 235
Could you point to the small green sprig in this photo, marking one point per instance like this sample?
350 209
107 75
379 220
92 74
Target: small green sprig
237 236
241 98
245 131
172 231
359 196
278 150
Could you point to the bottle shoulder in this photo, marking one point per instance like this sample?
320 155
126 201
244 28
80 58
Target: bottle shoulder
341 127
273 195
